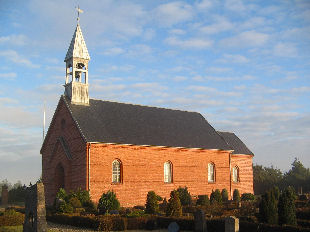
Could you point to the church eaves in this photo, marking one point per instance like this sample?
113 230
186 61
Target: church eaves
77 46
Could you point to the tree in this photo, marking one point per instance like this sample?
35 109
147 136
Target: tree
216 197
236 196
185 196
268 209
224 194
203 200
151 206
108 202
174 207
286 207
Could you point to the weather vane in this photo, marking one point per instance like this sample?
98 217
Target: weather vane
79 11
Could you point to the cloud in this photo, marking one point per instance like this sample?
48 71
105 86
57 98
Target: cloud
173 13
204 4
235 5
179 78
192 43
18 40
8 76
221 25
113 51
246 39
233 58
285 50
213 91
14 57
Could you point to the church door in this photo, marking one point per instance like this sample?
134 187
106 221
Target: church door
59 177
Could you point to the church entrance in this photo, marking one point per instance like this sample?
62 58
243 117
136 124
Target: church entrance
59 177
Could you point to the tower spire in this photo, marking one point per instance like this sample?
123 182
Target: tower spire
77 57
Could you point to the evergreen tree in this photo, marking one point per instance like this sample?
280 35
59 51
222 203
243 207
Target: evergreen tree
268 209
224 195
108 202
185 196
216 197
151 206
236 196
174 207
286 207
203 200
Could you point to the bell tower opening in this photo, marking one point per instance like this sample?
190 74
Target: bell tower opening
77 58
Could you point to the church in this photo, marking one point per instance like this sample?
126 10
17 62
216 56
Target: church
99 145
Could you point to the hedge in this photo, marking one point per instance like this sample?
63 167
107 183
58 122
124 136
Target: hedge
249 227
11 219
303 213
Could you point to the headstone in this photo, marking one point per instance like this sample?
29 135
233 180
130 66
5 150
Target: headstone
4 195
200 221
231 224
35 213
173 227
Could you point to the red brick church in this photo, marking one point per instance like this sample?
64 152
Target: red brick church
131 149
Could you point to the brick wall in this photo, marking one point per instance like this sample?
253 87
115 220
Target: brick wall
143 170
53 154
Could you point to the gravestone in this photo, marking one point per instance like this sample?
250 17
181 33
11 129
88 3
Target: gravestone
4 195
200 221
173 227
35 213
231 224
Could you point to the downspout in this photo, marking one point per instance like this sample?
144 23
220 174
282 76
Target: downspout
230 175
88 167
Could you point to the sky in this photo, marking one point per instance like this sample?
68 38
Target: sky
244 65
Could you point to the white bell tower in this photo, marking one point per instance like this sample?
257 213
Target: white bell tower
77 57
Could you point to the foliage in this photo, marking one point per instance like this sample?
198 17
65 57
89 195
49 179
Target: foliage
151 206
216 197
11 218
185 196
89 206
224 194
268 209
247 197
174 207
75 202
61 194
203 200
65 207
286 207
108 202
236 196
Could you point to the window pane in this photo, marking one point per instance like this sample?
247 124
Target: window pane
116 172
167 172
211 172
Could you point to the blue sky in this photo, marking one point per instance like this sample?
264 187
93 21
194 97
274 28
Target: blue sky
244 65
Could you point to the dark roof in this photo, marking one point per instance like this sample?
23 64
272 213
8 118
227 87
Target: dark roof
236 144
112 122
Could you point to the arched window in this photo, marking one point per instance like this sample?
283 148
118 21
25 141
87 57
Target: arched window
168 172
235 174
116 171
211 172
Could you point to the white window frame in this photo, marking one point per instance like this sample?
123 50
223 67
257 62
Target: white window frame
235 173
168 172
116 171
211 172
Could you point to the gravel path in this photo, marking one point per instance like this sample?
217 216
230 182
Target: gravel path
65 228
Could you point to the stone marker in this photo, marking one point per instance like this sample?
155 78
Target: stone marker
200 221
173 227
4 195
35 213
231 224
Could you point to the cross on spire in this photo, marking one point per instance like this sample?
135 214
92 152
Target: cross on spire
78 11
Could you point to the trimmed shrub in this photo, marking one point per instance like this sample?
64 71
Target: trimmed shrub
224 194
185 196
89 206
236 196
268 209
174 207
247 197
75 202
286 208
107 202
65 207
151 206
62 194
11 218
203 200
216 197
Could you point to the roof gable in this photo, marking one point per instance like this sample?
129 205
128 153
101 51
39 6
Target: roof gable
112 122
236 144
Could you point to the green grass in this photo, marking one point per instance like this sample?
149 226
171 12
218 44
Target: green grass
11 228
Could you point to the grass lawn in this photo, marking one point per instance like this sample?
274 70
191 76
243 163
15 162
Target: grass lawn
11 228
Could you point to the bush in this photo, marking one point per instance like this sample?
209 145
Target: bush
268 209
216 197
224 194
151 206
174 207
247 197
11 218
236 196
286 208
65 207
107 202
203 200
89 206
62 194
185 196
75 202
